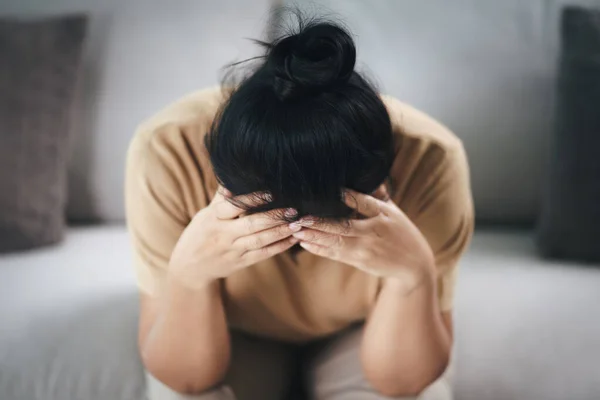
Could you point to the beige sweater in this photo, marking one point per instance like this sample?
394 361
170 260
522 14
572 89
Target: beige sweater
169 179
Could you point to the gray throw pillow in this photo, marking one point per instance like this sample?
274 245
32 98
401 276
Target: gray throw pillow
570 220
39 64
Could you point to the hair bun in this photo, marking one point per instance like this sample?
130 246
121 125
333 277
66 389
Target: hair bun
321 55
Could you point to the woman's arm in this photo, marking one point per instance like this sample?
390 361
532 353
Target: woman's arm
407 340
184 341
183 336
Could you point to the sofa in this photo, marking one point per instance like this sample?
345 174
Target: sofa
526 327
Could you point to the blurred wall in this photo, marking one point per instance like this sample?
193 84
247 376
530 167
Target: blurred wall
485 68
141 55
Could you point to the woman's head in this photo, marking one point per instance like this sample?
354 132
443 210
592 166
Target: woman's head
303 126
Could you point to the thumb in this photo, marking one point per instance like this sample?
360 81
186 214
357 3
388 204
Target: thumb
221 194
381 193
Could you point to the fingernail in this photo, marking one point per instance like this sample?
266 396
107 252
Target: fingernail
294 226
290 213
306 222
268 197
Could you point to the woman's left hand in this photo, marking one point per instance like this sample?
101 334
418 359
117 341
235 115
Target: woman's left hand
386 243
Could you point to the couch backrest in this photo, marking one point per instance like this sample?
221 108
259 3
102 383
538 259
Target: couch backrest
141 55
485 68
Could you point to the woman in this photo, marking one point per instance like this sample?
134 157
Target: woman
298 227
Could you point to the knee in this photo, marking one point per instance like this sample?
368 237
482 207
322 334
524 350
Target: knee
159 388
388 382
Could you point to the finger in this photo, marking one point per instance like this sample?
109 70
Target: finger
224 191
343 228
230 207
320 238
221 194
254 256
265 238
381 193
250 224
224 209
364 204
319 250
253 199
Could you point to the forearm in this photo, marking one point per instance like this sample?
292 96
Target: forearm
406 345
188 347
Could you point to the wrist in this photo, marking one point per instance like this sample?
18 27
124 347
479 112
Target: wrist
188 276
408 282
179 285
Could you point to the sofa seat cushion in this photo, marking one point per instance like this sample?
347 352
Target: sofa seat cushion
525 328
68 320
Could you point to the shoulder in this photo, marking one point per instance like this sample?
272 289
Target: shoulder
169 146
424 146
430 158
410 123
174 136
194 112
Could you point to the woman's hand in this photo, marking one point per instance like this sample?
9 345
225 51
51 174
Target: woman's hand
386 243
221 239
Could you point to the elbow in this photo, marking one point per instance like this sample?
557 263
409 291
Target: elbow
390 383
182 378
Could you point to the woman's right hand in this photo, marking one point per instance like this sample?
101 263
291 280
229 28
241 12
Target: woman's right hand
221 239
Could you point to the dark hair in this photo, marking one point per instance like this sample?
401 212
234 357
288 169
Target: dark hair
303 126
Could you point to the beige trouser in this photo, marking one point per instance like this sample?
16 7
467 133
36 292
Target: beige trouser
263 370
